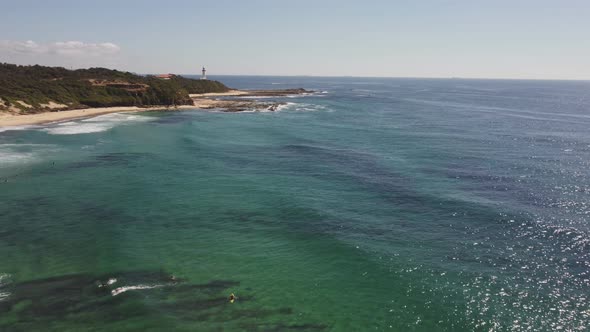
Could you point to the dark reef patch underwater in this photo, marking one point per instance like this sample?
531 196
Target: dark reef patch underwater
117 298
372 205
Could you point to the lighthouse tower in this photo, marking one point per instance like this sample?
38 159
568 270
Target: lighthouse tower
204 75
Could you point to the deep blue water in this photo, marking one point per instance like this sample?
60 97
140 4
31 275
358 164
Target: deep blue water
373 204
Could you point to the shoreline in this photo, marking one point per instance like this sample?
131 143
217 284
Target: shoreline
9 120
203 101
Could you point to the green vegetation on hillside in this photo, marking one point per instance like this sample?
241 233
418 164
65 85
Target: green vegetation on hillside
32 89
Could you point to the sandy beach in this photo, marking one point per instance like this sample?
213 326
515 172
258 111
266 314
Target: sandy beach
9 120
201 101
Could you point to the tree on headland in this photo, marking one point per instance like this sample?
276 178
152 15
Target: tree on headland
94 87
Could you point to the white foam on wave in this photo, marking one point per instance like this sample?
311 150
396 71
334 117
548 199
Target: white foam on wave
21 145
285 106
3 281
300 95
252 110
117 117
11 154
247 111
124 289
95 124
78 129
310 107
8 157
9 128
288 106
256 97
108 283
280 107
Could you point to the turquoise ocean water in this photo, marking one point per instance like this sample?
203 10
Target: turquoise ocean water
371 205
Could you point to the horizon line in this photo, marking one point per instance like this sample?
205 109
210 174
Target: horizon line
404 77
337 76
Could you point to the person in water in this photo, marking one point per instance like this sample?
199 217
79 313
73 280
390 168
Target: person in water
232 298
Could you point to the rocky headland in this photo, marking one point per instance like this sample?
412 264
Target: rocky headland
244 100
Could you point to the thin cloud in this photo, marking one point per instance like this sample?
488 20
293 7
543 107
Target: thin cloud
66 48
21 47
74 48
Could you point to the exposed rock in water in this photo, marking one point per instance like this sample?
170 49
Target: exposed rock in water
274 107
277 93
234 103
237 105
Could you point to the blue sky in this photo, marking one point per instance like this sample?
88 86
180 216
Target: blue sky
483 39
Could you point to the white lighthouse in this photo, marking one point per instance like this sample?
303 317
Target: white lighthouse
204 74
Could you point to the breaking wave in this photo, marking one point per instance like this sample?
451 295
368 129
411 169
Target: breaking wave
94 125
11 154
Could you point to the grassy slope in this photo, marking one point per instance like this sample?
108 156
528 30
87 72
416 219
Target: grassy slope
36 85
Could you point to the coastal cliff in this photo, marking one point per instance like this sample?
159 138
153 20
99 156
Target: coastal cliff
36 89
